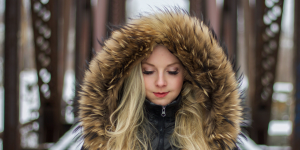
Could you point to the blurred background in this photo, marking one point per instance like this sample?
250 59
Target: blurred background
45 45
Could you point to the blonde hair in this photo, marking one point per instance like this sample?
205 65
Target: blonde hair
188 131
128 130
129 115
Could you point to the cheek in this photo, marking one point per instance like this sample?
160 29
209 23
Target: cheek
147 82
177 83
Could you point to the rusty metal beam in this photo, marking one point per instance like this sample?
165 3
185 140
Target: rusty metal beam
229 26
249 47
260 114
83 36
49 62
116 13
100 21
296 128
64 34
198 8
267 30
214 16
83 43
11 134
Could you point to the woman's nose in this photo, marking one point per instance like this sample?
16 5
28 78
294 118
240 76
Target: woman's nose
161 81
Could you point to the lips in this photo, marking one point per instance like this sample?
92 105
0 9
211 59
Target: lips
161 94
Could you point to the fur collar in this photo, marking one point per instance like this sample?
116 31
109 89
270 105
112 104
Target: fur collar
194 44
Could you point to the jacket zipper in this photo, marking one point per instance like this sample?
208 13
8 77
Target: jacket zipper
162 129
163 113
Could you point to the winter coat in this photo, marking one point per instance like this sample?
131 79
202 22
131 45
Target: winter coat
196 47
162 119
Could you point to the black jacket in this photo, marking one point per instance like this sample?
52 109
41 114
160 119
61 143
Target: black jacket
162 123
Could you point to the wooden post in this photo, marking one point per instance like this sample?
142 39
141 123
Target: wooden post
11 134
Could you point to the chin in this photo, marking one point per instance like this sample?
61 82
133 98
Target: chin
162 102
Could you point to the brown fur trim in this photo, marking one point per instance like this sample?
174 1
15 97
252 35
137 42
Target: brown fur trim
193 43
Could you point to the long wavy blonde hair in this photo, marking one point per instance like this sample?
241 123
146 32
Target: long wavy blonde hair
128 130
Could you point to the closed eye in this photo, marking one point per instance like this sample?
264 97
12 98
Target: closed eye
148 72
173 72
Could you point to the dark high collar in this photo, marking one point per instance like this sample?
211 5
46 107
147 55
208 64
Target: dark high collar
170 109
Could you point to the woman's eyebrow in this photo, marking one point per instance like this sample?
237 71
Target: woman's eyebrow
167 65
173 64
148 64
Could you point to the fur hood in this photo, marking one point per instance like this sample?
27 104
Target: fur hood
194 44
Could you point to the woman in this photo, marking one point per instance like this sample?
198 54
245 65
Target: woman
160 82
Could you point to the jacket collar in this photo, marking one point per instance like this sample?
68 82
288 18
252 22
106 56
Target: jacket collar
157 110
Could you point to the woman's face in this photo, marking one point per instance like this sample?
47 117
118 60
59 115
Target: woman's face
163 76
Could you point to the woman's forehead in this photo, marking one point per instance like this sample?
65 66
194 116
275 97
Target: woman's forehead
161 54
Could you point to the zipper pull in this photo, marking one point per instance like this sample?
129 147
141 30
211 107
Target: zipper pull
163 113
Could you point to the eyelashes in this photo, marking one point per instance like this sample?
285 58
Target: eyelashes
151 72
173 72
148 72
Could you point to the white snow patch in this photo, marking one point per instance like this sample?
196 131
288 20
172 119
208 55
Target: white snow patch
68 94
29 96
135 7
280 127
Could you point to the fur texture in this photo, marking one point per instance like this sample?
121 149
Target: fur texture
194 44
